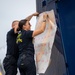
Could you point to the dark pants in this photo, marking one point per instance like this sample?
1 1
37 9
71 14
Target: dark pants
10 65
26 65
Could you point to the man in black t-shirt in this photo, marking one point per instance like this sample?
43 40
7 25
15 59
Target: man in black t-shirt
26 62
10 61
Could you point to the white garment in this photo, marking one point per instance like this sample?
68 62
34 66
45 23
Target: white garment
43 43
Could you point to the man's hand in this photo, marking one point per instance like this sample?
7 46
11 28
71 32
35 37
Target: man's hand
15 29
35 14
45 16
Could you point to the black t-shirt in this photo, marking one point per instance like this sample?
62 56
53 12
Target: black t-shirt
24 41
12 48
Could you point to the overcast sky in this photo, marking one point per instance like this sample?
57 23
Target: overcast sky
12 10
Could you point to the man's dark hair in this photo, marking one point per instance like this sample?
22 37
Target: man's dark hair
21 23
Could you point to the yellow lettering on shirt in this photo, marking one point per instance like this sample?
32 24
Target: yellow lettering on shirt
19 38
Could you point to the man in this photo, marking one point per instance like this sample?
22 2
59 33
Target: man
10 61
26 62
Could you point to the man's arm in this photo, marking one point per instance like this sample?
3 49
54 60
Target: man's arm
29 17
42 27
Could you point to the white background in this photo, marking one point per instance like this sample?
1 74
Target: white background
13 10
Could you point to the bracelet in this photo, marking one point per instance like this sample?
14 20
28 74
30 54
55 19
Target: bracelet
44 20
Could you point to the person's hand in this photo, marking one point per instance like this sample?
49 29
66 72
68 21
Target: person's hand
45 16
15 29
35 14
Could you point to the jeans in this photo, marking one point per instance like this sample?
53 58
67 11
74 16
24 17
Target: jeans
26 65
10 65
